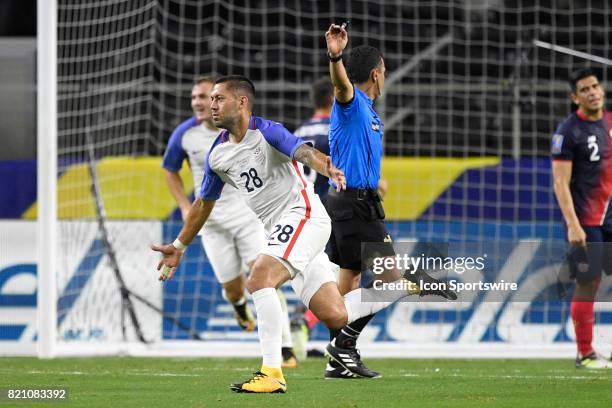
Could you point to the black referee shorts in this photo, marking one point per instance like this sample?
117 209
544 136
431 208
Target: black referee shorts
357 216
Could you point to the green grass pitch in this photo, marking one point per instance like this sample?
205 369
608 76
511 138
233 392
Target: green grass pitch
181 383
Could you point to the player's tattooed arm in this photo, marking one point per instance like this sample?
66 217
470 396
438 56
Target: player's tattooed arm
311 157
307 154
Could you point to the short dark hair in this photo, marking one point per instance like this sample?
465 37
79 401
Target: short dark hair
322 92
239 85
204 78
361 61
579 74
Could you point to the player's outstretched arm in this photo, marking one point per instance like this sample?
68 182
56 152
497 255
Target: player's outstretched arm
311 157
171 253
337 38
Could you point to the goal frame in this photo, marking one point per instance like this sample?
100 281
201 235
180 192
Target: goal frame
46 135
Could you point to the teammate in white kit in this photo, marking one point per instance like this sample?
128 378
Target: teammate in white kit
233 235
260 158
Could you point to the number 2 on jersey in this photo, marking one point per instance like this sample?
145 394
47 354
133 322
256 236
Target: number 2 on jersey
251 177
592 144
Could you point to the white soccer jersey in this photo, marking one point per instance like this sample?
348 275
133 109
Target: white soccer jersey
261 166
192 141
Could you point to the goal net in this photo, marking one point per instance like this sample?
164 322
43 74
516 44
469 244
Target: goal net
104 93
469 109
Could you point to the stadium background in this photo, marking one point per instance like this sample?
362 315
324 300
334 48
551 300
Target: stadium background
469 109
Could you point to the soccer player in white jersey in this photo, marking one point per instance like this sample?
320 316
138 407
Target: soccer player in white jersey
233 235
260 158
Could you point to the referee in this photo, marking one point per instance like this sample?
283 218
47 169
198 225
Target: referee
355 141
355 146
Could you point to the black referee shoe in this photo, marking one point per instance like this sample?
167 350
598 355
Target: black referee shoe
442 288
334 371
350 360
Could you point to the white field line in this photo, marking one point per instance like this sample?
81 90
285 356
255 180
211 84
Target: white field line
594 375
518 376
98 373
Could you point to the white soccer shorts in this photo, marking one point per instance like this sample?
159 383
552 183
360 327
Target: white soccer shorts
230 250
298 243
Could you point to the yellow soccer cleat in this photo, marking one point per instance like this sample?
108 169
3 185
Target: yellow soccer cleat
289 359
263 383
291 362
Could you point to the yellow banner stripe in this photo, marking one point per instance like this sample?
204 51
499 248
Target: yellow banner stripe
132 188
415 183
135 188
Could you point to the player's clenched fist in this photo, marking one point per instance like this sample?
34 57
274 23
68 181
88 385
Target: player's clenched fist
335 174
336 38
576 235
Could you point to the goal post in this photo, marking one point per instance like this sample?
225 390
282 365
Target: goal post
46 235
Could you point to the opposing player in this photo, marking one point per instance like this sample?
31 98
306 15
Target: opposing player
233 235
259 157
582 177
316 130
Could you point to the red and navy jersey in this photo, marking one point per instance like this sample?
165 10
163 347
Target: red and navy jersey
316 131
588 145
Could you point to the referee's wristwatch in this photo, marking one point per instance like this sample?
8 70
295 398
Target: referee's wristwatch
334 59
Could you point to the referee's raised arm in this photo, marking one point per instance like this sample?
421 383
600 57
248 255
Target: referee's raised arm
355 142
337 38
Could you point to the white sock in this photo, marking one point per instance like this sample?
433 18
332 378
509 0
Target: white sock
356 308
287 341
269 325
239 302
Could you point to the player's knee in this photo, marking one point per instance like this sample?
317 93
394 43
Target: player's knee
255 283
258 279
233 290
233 294
588 284
586 290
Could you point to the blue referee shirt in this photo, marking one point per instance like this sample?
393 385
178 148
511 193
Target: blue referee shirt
355 141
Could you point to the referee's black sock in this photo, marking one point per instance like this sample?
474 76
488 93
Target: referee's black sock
347 338
332 335
348 335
